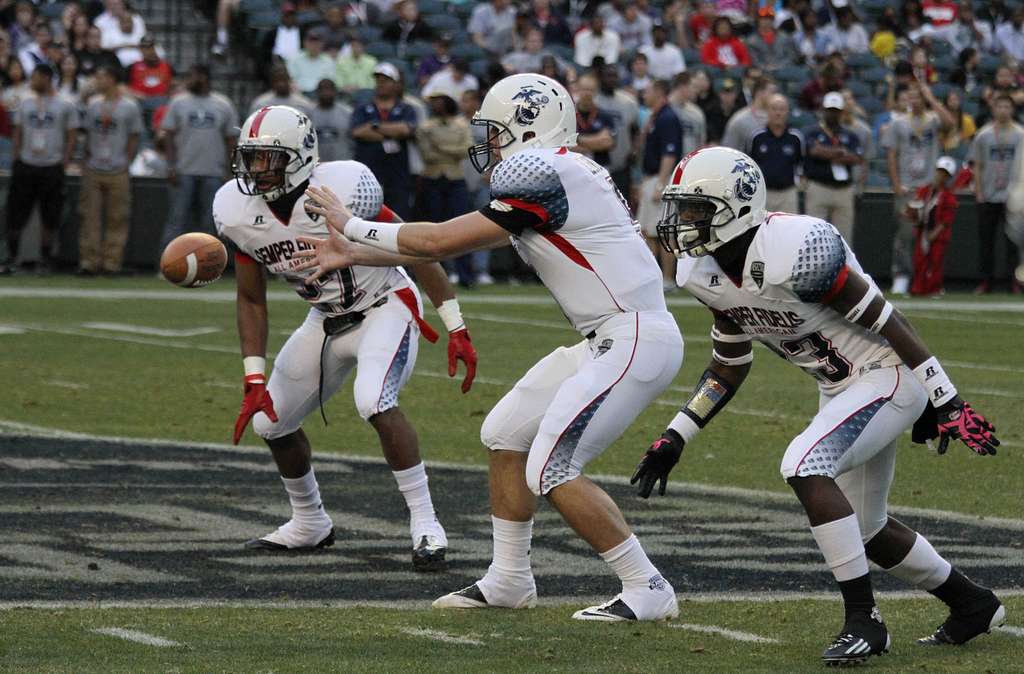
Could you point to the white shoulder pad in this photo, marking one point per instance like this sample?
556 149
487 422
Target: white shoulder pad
227 204
802 254
355 185
531 176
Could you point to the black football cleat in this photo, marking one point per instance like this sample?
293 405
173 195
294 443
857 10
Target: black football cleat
614 611
429 556
467 597
860 639
961 627
268 545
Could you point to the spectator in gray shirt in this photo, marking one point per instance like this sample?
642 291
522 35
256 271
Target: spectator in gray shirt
112 125
745 122
281 93
201 128
994 152
624 111
44 128
489 19
332 120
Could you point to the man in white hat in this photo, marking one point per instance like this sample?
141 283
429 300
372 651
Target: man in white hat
832 152
381 130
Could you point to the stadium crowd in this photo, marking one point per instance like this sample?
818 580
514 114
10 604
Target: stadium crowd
830 97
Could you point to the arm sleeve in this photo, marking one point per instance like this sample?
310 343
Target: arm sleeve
819 266
526 192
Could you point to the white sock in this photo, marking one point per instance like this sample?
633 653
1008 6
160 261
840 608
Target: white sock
629 561
840 543
922 567
509 573
304 494
413 484
222 35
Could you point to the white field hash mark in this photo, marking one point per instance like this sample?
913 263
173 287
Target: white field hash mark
135 636
735 635
438 635
1013 631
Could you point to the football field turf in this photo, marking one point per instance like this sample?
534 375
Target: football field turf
123 509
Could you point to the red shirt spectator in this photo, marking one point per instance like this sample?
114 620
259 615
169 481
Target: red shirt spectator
724 50
940 12
152 75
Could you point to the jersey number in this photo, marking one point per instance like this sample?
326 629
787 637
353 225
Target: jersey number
831 365
350 292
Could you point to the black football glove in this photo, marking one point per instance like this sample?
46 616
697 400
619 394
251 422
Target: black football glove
657 462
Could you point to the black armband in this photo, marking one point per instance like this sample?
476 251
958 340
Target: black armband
708 399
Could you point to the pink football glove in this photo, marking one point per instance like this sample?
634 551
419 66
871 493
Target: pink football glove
461 348
957 420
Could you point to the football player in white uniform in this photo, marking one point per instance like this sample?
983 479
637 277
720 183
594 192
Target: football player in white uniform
360 317
567 219
792 283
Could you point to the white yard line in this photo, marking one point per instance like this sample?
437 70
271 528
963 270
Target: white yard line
735 635
1009 629
135 636
145 330
529 298
438 635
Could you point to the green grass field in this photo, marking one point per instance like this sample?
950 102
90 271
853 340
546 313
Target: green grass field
70 363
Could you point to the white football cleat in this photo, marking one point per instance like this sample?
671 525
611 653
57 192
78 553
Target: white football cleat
658 602
473 597
292 537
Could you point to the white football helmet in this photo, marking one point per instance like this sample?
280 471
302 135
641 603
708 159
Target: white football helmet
715 195
276 152
522 112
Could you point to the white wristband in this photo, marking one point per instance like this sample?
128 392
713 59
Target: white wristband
382 235
450 315
935 381
254 365
686 427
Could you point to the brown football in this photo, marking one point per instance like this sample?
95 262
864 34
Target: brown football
194 259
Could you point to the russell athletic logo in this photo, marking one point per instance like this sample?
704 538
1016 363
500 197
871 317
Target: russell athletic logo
372 235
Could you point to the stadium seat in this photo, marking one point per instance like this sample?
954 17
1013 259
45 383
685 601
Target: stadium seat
479 67
362 96
368 34
264 20
428 7
874 77
468 51
863 61
382 50
859 89
871 104
443 22
796 74
988 65
51 10
940 89
691 57
418 50
562 51
944 64
798 119
880 180
971 107
253 6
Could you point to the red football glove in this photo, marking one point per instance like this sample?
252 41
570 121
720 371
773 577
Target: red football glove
257 399
461 348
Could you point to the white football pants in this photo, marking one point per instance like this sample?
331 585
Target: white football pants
382 349
573 404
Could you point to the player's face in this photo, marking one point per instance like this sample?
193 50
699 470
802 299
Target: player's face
265 169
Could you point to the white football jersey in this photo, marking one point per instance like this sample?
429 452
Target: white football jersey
587 250
793 263
254 229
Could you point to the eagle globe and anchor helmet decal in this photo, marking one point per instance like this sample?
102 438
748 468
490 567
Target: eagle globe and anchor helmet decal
276 152
715 195
522 112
